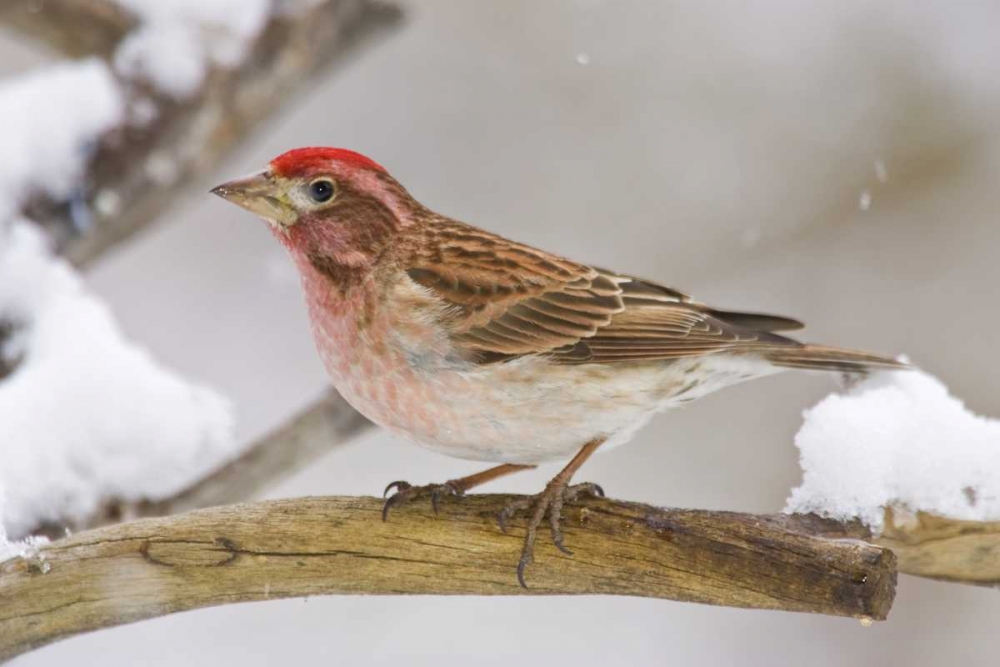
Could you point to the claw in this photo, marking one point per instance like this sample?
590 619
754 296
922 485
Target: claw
556 528
561 547
389 504
510 510
399 485
521 565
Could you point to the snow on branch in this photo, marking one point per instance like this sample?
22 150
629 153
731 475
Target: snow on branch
327 423
75 396
82 397
103 146
194 78
322 546
921 471
898 441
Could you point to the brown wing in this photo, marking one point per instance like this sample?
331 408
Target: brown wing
506 300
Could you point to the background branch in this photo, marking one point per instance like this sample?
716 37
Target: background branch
942 548
313 546
137 169
329 422
73 27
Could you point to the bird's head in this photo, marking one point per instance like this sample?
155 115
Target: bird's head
329 205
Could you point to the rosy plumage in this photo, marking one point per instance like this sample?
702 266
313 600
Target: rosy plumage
483 348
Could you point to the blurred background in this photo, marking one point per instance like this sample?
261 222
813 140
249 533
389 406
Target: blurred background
837 162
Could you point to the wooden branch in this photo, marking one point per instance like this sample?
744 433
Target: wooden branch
138 169
316 546
941 548
927 545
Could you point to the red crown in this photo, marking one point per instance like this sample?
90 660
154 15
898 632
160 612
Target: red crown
300 161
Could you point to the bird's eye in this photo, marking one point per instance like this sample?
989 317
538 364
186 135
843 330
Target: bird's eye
321 191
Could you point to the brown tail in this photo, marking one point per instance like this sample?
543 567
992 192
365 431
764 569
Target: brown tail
823 358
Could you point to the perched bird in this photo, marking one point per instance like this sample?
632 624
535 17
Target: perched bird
483 348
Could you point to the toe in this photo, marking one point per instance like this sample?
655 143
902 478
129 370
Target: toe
512 508
436 499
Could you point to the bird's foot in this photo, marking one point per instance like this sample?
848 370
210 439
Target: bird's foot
405 492
548 503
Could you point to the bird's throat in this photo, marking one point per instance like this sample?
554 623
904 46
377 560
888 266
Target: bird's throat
338 274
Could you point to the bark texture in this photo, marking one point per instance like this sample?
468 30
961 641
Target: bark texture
321 546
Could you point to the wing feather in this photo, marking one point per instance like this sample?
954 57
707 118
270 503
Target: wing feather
503 299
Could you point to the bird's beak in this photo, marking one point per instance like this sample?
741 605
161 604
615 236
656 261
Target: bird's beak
260 194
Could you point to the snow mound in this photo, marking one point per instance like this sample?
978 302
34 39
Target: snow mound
178 41
46 144
897 439
87 417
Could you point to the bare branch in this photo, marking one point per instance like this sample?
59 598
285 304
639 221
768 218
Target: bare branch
321 546
927 545
939 548
327 423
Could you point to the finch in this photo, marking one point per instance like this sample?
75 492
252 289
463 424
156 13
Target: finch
484 348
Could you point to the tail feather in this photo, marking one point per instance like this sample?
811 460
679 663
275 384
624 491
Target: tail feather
824 358
757 321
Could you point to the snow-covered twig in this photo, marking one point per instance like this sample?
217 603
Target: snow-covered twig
87 415
323 546
898 441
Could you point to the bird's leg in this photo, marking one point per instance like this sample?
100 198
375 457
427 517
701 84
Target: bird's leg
550 502
453 487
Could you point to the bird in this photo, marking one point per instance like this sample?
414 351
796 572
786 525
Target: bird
483 348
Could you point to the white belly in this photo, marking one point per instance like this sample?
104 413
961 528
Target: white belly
530 411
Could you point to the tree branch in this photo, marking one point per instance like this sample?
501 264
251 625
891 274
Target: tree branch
315 546
940 548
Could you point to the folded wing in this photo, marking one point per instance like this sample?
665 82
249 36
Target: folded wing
504 300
